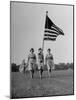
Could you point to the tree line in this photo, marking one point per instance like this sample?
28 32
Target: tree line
60 66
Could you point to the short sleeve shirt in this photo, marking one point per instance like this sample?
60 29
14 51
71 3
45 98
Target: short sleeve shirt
40 57
32 57
49 57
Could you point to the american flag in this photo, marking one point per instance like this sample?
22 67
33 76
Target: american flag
51 30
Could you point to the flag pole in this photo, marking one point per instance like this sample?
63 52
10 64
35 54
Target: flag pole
43 44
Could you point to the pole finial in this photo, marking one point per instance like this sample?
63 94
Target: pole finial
47 13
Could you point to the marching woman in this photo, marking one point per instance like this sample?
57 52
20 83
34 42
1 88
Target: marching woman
31 62
40 61
49 61
22 66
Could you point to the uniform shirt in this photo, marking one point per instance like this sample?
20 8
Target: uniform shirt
40 57
32 58
49 57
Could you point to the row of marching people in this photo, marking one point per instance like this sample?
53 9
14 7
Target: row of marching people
32 61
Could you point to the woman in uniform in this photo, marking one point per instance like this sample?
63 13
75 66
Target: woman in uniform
22 66
49 61
40 61
31 62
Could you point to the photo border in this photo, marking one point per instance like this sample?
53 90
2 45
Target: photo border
73 46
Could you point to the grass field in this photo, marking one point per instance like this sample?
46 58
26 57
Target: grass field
60 83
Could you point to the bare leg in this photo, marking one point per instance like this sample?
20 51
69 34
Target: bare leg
41 71
24 70
48 73
49 70
32 70
31 73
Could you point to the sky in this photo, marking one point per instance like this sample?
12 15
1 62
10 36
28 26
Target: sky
27 31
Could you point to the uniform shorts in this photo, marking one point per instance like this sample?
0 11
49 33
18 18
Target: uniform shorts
31 66
40 65
50 65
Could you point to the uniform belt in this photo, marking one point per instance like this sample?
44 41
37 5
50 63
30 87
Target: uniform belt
32 58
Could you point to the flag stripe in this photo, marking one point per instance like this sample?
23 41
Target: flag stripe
50 35
53 39
55 26
55 29
50 31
